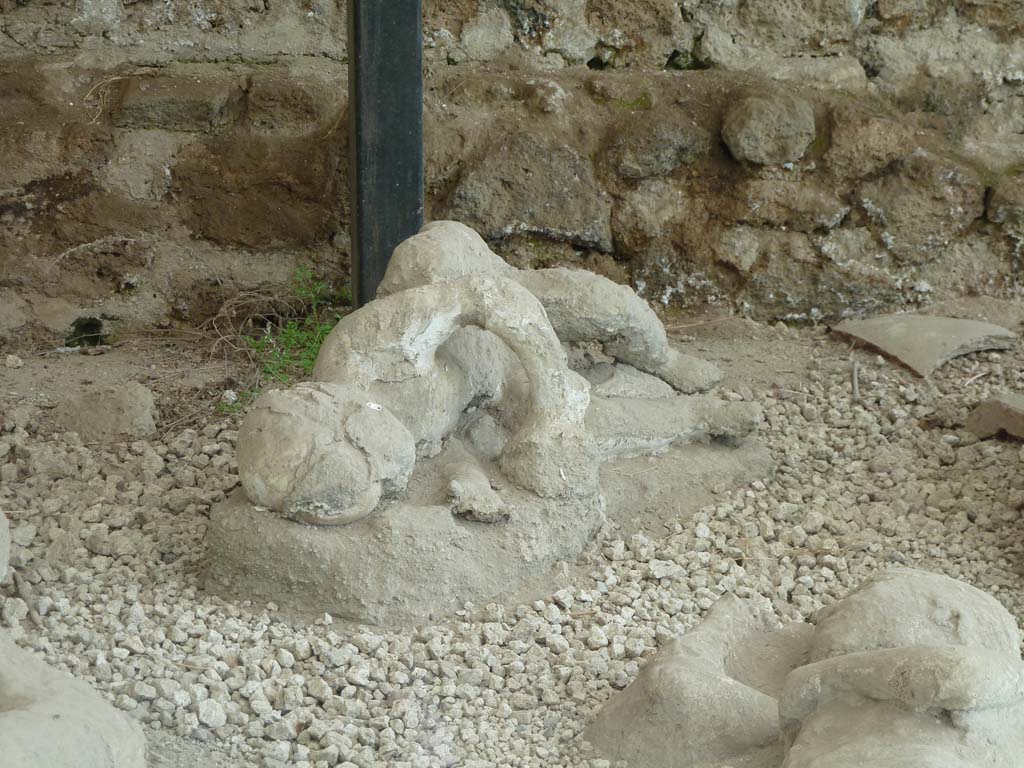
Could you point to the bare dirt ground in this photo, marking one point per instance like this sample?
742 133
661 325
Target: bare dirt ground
185 379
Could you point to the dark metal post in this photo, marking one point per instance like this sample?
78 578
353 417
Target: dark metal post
385 65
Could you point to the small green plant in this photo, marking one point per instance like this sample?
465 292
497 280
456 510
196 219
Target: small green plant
308 289
237 406
642 102
345 296
287 350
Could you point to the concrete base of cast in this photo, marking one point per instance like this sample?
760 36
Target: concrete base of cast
49 719
408 563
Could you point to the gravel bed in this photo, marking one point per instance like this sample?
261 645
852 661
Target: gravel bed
109 545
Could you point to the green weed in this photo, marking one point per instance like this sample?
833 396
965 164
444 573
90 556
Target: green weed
642 102
287 350
244 398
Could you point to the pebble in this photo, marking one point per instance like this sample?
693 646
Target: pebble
211 713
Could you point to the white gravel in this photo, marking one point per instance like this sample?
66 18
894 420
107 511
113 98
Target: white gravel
109 543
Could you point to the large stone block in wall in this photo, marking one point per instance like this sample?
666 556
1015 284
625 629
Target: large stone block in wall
657 145
283 100
792 22
928 203
649 212
1006 205
1006 16
646 34
734 35
261 192
908 11
181 102
42 134
531 185
805 205
787 278
864 143
773 129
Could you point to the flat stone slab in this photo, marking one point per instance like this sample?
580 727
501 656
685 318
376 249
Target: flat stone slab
925 342
1004 413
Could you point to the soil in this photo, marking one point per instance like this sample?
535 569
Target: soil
186 378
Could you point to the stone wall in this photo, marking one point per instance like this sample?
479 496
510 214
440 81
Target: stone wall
793 159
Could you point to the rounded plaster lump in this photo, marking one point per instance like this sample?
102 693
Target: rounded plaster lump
444 417
49 719
322 453
912 668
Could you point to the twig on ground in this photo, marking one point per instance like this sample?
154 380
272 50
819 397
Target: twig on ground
804 395
633 474
458 87
975 377
194 416
698 324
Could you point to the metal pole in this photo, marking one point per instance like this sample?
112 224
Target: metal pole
385 65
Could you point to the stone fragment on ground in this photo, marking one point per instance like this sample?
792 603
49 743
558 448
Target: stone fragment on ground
49 720
925 342
999 414
106 413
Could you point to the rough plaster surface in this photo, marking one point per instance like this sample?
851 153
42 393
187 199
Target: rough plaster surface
388 349
912 668
395 567
445 415
49 719
334 454
580 305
